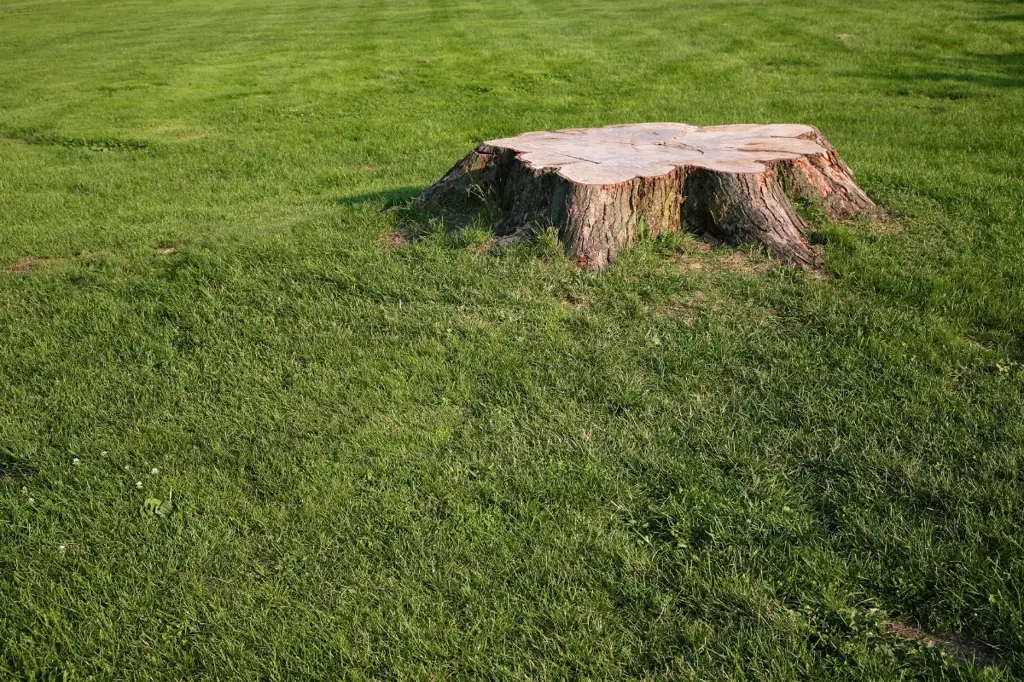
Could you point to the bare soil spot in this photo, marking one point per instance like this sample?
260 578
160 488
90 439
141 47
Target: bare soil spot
394 239
165 250
844 36
13 140
25 265
963 648
574 301
736 261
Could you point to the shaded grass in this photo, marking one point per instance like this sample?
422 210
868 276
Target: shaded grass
438 460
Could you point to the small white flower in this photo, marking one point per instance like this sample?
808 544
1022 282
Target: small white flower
24 490
126 467
61 548
154 471
31 500
76 461
138 484
103 453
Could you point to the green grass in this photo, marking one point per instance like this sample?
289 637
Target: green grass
435 461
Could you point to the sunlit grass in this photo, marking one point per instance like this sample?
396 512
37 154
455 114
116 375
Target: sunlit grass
395 453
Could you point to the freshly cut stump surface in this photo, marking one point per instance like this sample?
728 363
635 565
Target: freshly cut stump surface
599 186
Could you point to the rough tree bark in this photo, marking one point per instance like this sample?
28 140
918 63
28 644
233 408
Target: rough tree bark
601 187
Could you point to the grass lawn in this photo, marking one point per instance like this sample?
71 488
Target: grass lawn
432 460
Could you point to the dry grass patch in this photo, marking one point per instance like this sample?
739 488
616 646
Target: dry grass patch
705 258
24 266
395 239
574 301
963 648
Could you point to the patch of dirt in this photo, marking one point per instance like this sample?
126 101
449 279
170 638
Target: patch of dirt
963 648
13 140
705 242
885 224
394 239
25 265
165 250
844 36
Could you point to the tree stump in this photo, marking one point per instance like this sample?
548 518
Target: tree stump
604 187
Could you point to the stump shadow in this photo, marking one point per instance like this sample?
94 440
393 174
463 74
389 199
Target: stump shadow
999 70
471 219
12 467
450 222
391 198
1013 16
